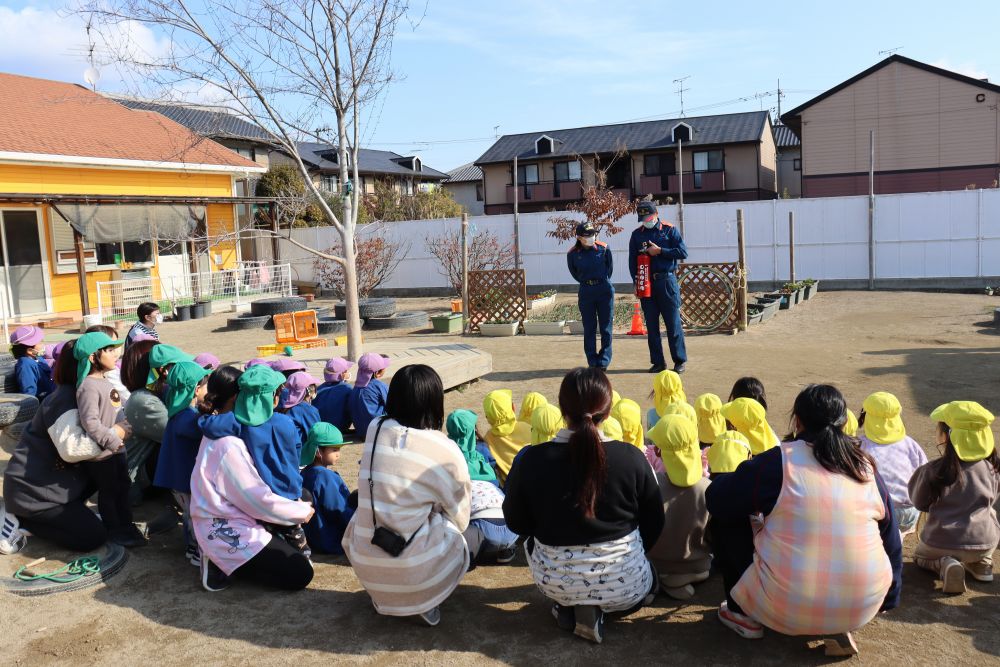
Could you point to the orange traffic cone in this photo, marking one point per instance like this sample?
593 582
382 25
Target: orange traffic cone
638 327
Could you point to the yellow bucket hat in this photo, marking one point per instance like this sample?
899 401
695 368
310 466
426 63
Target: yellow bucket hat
667 389
532 401
711 423
546 421
750 418
612 428
615 398
883 425
728 451
970 428
498 406
676 437
851 426
682 409
629 415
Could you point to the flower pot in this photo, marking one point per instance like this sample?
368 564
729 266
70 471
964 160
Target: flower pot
182 313
541 304
769 310
447 323
200 310
544 328
788 300
499 328
812 289
575 327
456 305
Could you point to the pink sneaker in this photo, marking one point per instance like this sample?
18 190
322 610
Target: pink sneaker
741 624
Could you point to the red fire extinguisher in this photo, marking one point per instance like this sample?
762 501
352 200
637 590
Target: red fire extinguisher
643 289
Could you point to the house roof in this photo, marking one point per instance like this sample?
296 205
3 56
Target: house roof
63 123
708 130
784 137
792 119
206 122
466 173
369 161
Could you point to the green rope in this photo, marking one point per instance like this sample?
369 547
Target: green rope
77 568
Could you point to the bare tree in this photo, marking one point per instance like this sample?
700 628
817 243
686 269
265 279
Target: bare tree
299 69
377 259
486 251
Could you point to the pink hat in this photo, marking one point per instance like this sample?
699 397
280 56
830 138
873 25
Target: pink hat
369 364
296 386
286 364
207 360
254 362
56 349
143 336
27 335
335 369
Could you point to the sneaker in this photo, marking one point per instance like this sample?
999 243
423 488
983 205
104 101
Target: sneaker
128 536
213 579
505 556
685 592
979 571
657 368
12 538
741 624
432 617
589 623
193 554
654 589
680 368
163 522
839 646
952 576
565 616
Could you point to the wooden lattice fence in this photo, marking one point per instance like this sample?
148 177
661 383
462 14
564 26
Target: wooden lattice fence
711 295
497 296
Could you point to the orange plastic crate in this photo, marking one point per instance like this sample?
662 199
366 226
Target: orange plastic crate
305 325
284 328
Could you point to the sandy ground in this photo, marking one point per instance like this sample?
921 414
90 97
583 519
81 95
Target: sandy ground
925 348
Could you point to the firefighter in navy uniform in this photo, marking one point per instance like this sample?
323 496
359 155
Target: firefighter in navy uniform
664 245
590 265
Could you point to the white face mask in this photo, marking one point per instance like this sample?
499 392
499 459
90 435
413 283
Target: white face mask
159 318
587 241
649 224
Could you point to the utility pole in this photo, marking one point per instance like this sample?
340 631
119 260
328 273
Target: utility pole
517 221
681 89
871 209
680 184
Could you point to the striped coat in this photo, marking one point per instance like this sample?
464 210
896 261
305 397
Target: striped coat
422 488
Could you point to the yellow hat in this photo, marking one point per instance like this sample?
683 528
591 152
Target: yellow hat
883 425
532 401
615 398
749 418
683 409
629 415
498 406
851 426
667 389
612 428
970 428
676 437
728 451
711 423
546 421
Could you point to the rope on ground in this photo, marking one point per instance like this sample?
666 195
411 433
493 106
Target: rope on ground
74 570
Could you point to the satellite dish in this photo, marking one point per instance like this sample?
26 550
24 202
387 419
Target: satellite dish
92 75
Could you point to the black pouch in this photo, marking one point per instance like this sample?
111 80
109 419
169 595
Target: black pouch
389 541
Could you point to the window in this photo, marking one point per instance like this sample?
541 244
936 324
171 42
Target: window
708 161
527 174
407 186
568 171
682 132
544 145
479 192
329 182
797 164
656 165
248 152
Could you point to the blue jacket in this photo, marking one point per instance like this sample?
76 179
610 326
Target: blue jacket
272 446
664 235
305 416
367 404
181 440
590 263
326 528
333 403
34 377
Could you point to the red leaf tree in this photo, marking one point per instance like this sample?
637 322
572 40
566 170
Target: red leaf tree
601 205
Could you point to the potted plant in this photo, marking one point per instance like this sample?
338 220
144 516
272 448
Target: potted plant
447 323
543 300
812 286
769 307
499 328
989 291
754 313
544 328
789 295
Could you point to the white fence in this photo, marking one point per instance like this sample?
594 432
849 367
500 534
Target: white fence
118 299
917 236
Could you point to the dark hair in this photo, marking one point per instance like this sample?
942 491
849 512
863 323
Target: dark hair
822 412
64 372
749 387
223 384
135 364
19 350
416 397
104 329
947 469
585 401
146 309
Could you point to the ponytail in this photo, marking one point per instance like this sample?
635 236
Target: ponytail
585 401
223 385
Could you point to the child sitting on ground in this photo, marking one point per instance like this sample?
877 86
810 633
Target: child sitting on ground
896 454
532 401
681 555
711 423
612 429
33 375
629 415
749 417
727 452
181 439
369 393
667 389
333 396
208 361
506 436
546 421
851 425
330 495
114 376
749 387
98 405
296 402
958 492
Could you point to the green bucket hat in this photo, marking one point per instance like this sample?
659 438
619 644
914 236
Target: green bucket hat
320 435
255 402
163 355
182 381
85 346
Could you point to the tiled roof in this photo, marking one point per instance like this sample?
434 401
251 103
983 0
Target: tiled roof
784 137
465 173
708 130
369 162
207 123
45 117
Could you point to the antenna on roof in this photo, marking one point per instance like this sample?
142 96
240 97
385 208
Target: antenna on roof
91 75
680 90
889 52
496 133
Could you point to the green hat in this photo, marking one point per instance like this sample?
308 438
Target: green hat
255 402
320 435
163 355
85 346
183 380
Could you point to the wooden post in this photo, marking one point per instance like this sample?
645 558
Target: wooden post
517 221
680 184
81 272
791 247
465 273
275 245
193 268
871 209
741 295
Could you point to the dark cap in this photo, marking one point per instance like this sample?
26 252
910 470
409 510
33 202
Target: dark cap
645 208
586 229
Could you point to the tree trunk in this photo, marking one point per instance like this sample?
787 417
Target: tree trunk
351 285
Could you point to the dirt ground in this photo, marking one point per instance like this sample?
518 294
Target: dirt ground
925 348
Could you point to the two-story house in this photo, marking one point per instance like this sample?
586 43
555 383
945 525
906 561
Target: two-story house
729 157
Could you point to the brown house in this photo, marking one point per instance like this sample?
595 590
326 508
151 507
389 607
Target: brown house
934 130
730 157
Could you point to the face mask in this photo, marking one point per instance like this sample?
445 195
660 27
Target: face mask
649 224
587 241
159 319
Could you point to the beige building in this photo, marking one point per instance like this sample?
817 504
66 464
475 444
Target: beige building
934 130
730 157
465 184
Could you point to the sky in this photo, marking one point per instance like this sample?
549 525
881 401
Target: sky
470 70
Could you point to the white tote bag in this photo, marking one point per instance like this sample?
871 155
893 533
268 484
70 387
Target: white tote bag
72 442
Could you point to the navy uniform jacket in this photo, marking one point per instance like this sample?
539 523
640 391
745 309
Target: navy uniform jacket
664 235
326 528
590 263
333 402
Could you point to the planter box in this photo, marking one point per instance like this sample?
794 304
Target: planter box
450 323
541 304
501 329
575 327
770 309
544 328
801 294
755 318
811 290
789 300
